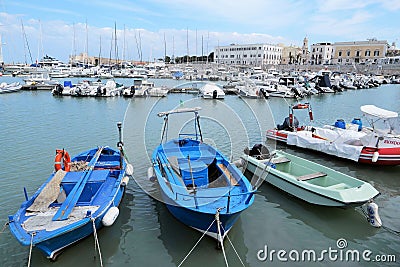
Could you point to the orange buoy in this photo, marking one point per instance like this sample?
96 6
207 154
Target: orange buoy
63 155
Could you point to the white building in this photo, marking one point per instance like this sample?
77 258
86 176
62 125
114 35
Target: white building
321 53
250 54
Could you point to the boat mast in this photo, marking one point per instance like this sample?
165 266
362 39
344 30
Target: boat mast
115 43
26 44
1 52
165 49
187 45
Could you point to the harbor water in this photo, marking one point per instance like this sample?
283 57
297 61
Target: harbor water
276 230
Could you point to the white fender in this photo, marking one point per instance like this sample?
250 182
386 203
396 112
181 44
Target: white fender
129 169
125 181
375 156
110 216
373 215
150 174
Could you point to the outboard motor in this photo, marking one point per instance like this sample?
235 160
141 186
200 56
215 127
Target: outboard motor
286 124
259 151
58 90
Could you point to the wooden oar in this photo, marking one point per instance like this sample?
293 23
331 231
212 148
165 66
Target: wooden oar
67 206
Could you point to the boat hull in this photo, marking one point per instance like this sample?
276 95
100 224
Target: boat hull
311 193
40 229
220 190
204 222
386 155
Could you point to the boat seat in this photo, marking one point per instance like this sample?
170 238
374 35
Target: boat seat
280 160
311 176
338 186
228 174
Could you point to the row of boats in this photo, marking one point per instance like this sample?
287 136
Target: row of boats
251 83
199 185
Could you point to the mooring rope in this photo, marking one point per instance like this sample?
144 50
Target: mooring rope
96 242
219 234
198 241
4 227
237 254
30 249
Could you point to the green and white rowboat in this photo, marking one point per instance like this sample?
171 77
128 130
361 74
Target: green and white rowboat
310 181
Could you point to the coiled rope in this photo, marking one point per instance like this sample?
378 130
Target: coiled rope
96 242
198 241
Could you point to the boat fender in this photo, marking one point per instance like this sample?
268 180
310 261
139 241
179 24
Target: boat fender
125 181
150 174
129 169
110 216
375 156
373 215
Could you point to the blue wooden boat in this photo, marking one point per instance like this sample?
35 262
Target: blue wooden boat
75 201
198 184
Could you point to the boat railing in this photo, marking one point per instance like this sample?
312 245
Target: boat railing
228 198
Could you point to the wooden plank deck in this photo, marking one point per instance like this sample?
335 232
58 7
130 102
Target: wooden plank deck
228 174
311 176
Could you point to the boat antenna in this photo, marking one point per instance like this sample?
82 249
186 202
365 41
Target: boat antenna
120 144
198 125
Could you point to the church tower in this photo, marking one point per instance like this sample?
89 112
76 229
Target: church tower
304 52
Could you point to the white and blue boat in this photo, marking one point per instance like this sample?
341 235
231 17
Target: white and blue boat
198 184
79 197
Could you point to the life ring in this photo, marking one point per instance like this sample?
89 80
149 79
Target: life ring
300 106
63 155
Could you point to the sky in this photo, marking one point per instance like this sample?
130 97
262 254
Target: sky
149 29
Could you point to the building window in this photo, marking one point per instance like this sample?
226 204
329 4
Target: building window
376 53
367 53
340 53
348 53
357 53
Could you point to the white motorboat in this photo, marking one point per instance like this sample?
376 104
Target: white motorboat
211 91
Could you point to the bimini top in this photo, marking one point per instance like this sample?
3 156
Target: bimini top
374 111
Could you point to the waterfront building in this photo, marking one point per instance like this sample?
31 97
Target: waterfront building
321 53
83 59
259 55
291 54
393 51
346 53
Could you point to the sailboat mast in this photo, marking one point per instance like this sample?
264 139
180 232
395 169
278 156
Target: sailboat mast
165 49
115 44
187 45
87 47
26 44
100 53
